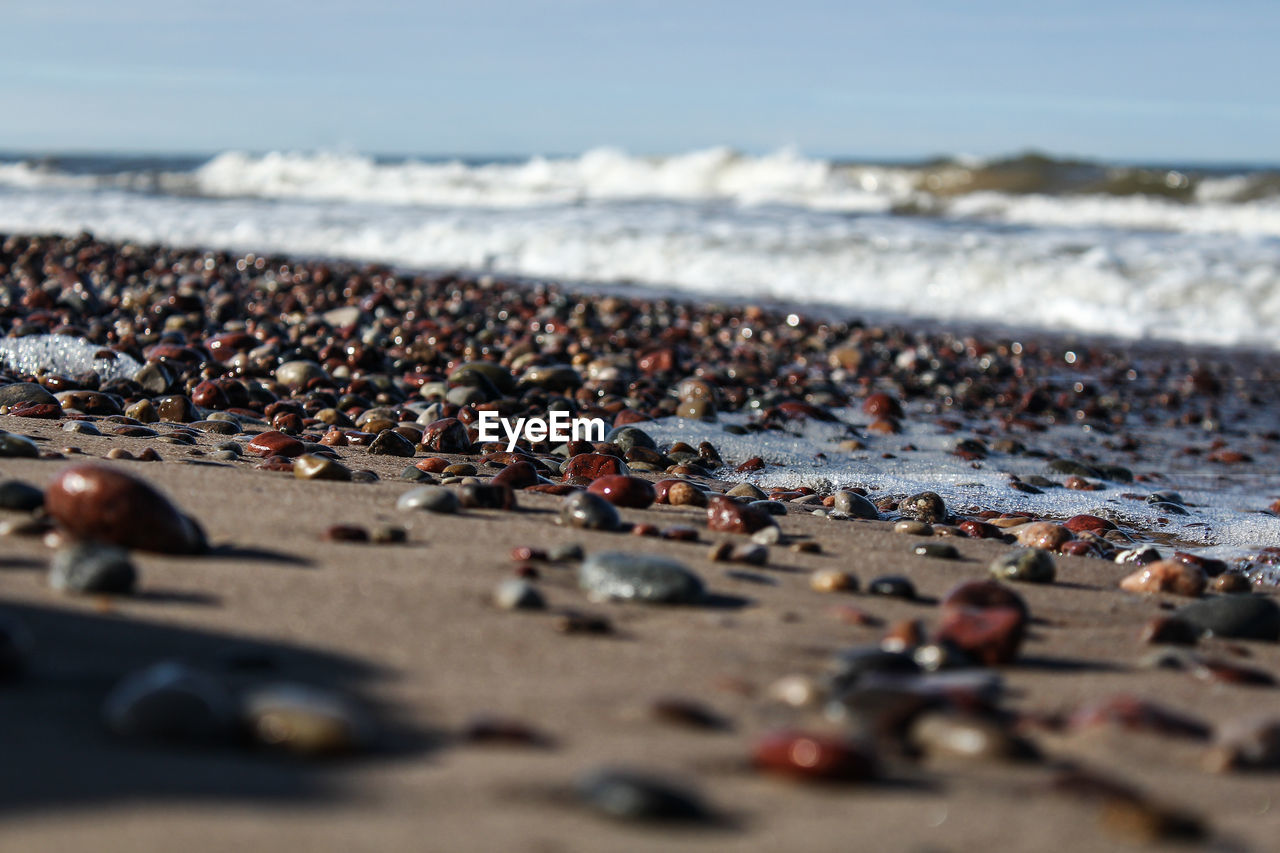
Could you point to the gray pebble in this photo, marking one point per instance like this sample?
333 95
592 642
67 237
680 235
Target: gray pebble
1031 565
855 505
20 496
589 511
516 594
92 567
639 577
430 499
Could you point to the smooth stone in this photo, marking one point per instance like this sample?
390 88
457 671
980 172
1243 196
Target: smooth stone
81 428
627 795
295 374
517 594
769 506
446 435
90 567
911 527
551 377
937 550
173 703
833 580
639 577
593 466
621 490
727 516
311 466
1243 617
1030 565
94 502
18 446
20 496
306 721
216 427
487 496
590 512
414 474
484 372
1166 576
1043 534
893 586
927 507
747 490
967 736
391 443
854 504
813 757
275 443
984 619
26 394
628 437
429 498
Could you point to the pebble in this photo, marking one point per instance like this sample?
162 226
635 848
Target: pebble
927 507
967 736
833 580
81 428
855 505
173 703
345 533
590 512
305 721
681 493
275 443
517 594
1231 583
813 757
20 496
25 394
1243 617
746 490
487 496
798 691
1166 576
628 795
912 527
388 534
893 586
1029 565
570 552
446 435
430 499
985 620
95 502
592 466
937 550
639 577
1043 535
312 466
91 567
621 490
17 447
727 516
391 443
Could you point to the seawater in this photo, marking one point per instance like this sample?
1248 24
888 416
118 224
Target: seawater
1179 255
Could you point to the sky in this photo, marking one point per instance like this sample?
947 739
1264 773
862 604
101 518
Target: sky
1168 81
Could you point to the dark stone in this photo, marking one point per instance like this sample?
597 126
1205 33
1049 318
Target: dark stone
20 496
927 507
893 586
725 515
854 504
621 490
487 496
630 796
588 511
1244 617
391 443
91 567
172 703
26 394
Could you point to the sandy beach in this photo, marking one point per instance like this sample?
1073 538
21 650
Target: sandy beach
483 720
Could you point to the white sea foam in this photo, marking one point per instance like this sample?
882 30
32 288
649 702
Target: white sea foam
63 354
1224 517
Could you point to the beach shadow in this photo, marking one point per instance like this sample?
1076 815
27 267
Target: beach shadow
58 754
19 563
174 596
1046 663
718 601
265 554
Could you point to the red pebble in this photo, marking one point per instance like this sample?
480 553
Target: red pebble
621 490
814 757
882 405
592 466
275 443
725 515
99 503
1078 523
517 475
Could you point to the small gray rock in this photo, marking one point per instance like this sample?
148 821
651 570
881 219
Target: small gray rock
89 567
1032 565
630 796
391 443
639 577
18 446
1243 617
590 512
430 499
20 496
516 594
25 394
171 702
854 504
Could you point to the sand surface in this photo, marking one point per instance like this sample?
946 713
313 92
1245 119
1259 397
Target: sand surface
410 630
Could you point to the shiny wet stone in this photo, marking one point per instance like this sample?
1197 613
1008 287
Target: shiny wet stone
1029 565
937 550
590 512
172 703
20 496
91 567
639 577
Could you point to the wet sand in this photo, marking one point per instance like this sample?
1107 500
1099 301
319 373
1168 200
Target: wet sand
409 628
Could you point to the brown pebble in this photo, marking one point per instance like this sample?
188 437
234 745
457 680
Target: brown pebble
833 580
1166 576
346 533
1170 630
1043 534
723 514
813 757
274 443
621 490
1231 582
96 502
